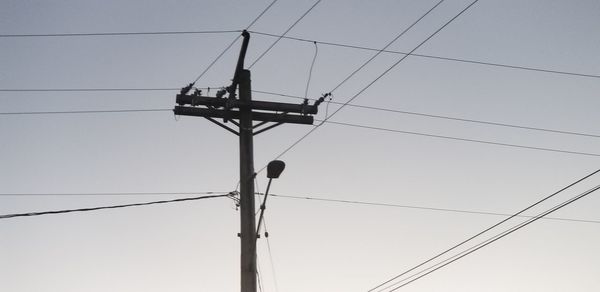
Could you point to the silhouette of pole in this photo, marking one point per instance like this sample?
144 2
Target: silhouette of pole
247 206
246 112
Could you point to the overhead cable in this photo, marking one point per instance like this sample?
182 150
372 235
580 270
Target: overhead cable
462 139
109 207
367 203
87 34
233 42
113 193
461 60
497 237
484 231
397 111
372 82
310 71
271 257
385 47
309 198
322 121
284 33
84 112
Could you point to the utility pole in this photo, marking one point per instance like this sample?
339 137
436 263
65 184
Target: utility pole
246 111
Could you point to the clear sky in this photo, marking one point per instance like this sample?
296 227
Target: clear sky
314 245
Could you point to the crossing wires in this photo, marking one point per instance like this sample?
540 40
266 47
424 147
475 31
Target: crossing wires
233 42
284 33
492 240
375 80
484 231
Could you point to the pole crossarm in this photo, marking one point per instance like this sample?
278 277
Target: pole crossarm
256 116
194 100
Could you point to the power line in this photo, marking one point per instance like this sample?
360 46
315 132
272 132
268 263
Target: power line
497 237
84 112
385 47
85 89
233 42
442 117
310 198
460 60
462 139
109 207
114 194
310 71
334 44
373 82
284 33
354 202
261 14
130 33
485 230
271 257
323 121
397 111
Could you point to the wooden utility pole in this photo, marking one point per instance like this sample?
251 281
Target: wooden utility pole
247 219
246 111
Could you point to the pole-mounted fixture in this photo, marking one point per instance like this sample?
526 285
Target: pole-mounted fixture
230 108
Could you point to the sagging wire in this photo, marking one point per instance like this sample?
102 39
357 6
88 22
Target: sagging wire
312 65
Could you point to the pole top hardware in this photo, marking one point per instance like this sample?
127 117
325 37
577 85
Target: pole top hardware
229 108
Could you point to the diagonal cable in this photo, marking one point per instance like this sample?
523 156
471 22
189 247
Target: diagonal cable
484 231
499 236
233 42
373 82
385 47
6 216
461 60
284 33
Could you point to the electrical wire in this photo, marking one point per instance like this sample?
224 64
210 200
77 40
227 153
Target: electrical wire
354 202
271 257
497 237
385 47
462 139
258 276
261 14
233 42
373 82
114 194
334 44
315 127
310 71
397 111
84 112
84 89
460 60
6 216
311 198
484 231
284 33
130 33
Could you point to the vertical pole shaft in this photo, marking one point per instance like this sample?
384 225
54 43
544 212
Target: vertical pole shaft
247 208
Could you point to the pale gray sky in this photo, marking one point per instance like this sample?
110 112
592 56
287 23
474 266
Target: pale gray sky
315 245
